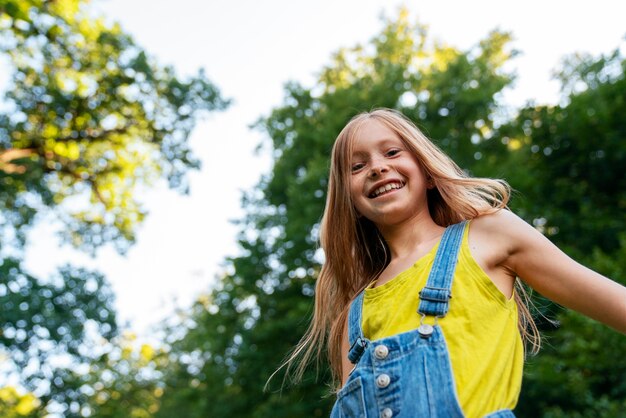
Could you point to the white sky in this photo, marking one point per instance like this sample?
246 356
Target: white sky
250 49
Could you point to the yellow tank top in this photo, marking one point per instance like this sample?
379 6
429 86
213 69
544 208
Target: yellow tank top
484 344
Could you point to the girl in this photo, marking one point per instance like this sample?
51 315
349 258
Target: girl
417 300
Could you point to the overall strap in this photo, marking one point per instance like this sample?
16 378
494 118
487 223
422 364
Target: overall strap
355 333
435 295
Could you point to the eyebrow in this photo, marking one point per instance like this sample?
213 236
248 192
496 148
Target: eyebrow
383 143
359 154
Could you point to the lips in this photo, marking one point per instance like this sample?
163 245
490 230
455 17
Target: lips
385 188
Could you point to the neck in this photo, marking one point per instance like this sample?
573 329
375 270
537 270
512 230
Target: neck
404 238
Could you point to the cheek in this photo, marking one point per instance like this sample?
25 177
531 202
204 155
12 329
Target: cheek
356 188
356 194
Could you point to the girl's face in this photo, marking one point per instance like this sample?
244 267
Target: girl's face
387 184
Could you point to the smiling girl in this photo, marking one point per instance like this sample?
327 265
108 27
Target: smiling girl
418 302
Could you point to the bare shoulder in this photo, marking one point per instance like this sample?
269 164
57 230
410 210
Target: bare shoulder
502 242
499 233
499 221
509 247
506 240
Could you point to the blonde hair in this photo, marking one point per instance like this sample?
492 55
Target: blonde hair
355 252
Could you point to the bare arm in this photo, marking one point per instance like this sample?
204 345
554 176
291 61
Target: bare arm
346 365
555 275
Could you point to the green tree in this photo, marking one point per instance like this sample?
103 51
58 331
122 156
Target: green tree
568 161
44 322
238 335
14 404
125 381
88 121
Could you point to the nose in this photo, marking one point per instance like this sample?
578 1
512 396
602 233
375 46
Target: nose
378 167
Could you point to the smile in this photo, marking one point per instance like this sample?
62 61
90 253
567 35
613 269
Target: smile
385 189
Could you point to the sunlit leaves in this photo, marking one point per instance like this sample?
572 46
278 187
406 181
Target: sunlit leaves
93 108
88 121
14 404
124 381
47 326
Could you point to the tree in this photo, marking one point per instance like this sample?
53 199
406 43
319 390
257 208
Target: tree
238 335
579 147
568 161
124 381
89 119
17 405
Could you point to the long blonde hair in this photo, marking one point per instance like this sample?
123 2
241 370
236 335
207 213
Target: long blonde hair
355 252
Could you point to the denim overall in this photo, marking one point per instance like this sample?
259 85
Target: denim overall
407 374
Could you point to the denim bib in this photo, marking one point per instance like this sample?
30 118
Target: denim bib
407 374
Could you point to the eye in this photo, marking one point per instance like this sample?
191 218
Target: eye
357 166
392 152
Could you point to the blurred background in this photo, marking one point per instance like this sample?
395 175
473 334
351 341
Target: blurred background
163 170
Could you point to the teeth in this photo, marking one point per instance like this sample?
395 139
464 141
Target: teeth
386 188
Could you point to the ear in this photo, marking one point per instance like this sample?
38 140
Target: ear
430 184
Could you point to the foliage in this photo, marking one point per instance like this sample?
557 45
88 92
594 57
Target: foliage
124 381
44 323
577 373
92 117
89 120
14 404
579 146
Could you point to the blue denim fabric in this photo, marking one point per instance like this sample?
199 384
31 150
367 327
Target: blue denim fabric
408 374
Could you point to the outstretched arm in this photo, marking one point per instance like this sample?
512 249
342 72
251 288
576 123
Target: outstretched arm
555 275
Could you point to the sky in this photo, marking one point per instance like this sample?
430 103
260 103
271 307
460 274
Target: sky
250 49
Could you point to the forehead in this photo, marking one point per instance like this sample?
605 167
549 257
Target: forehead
373 134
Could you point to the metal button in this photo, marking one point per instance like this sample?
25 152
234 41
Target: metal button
425 330
386 413
383 380
381 352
